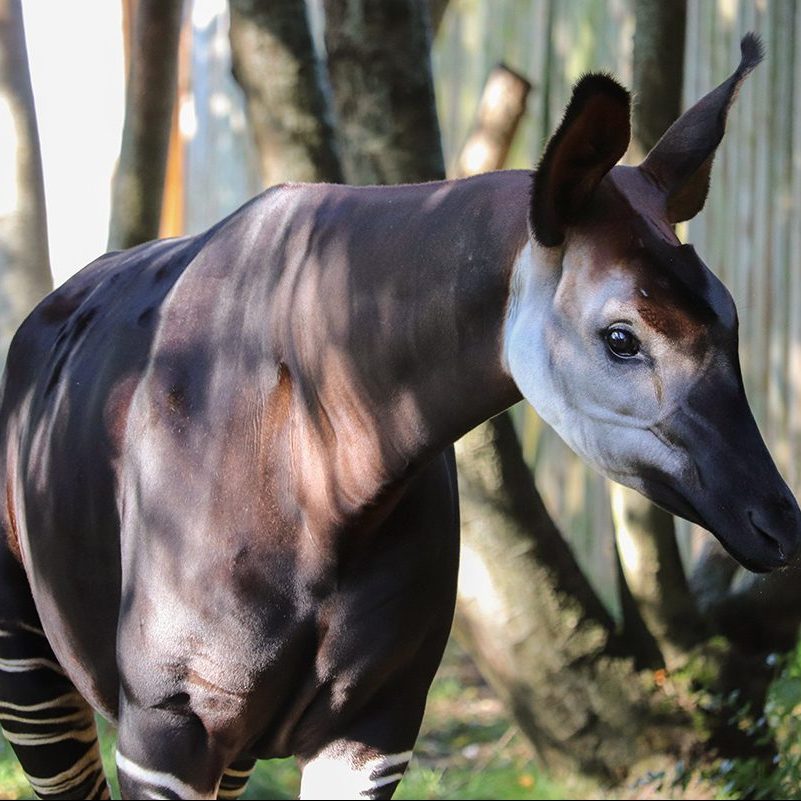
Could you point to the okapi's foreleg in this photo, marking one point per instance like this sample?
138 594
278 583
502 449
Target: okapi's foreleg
370 755
49 725
347 769
165 753
235 778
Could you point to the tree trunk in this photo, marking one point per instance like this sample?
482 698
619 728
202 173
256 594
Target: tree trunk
380 67
436 11
658 69
535 627
654 574
276 66
138 185
24 256
757 612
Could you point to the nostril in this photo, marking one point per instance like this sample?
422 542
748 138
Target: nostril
779 544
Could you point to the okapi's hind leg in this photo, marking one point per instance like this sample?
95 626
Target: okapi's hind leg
48 724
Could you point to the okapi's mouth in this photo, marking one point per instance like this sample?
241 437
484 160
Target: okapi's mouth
666 496
752 545
768 539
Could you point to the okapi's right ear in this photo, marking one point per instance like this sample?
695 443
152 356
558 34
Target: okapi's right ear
592 138
681 161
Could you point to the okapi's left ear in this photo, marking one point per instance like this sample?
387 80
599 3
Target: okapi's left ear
592 138
681 161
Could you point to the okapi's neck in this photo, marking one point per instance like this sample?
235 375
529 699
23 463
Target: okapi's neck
400 333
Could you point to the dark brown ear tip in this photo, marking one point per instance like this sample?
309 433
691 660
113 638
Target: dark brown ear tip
752 51
599 83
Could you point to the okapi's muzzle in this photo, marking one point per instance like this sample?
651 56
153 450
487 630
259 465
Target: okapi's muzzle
731 486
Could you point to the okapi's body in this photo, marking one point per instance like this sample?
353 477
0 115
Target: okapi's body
231 515
248 418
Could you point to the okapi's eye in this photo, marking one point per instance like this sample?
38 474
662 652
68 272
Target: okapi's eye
621 342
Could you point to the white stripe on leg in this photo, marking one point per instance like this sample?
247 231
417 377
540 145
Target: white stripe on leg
339 774
155 779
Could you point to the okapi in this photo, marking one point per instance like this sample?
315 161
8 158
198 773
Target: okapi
231 518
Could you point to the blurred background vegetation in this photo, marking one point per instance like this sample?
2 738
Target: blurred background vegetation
637 660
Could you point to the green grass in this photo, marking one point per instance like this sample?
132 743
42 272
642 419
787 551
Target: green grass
12 780
468 749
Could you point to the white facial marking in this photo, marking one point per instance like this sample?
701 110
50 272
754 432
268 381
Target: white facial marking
554 352
337 774
524 348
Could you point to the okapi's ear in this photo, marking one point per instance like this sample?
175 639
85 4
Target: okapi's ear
592 138
681 161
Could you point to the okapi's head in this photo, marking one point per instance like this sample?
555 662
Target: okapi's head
622 338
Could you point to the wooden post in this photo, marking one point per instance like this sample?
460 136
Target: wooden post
502 105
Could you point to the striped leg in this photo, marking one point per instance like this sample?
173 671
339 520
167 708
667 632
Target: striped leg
49 725
163 753
348 769
235 778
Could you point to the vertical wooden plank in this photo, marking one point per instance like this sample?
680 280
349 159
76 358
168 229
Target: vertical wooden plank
781 132
742 213
793 366
756 377
128 16
724 205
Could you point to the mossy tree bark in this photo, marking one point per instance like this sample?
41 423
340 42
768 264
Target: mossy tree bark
652 569
756 612
275 64
24 256
539 633
138 186
380 67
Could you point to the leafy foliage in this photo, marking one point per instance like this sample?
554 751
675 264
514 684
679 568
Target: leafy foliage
779 723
